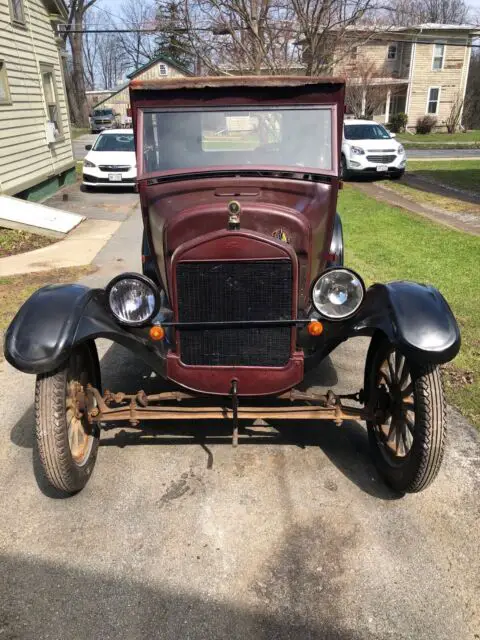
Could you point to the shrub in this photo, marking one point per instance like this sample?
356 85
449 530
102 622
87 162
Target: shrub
398 122
426 124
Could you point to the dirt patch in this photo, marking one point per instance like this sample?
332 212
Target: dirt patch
14 241
15 290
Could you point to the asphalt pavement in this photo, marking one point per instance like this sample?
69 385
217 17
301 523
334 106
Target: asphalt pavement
291 536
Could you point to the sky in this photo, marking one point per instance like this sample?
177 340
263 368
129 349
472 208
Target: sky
112 5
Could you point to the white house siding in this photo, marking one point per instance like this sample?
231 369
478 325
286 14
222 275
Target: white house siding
451 79
25 157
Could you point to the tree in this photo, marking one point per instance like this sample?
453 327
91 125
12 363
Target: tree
112 63
325 28
276 36
137 48
406 12
171 39
74 71
365 92
91 45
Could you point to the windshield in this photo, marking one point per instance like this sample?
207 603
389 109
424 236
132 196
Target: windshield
103 112
221 137
366 132
114 142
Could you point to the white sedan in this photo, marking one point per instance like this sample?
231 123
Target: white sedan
370 149
111 160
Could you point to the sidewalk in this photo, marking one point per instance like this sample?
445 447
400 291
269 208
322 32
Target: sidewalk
466 222
104 210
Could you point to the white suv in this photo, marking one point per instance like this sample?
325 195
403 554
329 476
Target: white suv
369 148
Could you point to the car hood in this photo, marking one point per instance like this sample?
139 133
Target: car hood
112 157
375 145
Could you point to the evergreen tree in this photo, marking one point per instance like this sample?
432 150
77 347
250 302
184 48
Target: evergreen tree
172 40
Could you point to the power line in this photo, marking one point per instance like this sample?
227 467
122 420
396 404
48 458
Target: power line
62 29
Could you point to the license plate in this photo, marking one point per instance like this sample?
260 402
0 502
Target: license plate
382 167
115 177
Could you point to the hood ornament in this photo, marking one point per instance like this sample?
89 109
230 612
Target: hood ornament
234 210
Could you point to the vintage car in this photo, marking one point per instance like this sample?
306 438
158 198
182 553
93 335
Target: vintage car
243 288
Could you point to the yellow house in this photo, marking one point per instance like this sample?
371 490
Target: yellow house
159 67
35 144
419 70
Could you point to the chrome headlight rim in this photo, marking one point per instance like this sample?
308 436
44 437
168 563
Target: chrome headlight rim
352 313
132 275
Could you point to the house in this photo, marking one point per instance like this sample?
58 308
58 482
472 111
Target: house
419 70
35 143
159 67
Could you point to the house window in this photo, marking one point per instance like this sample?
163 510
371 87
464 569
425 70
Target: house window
16 11
354 53
4 90
392 52
438 56
50 97
433 100
162 69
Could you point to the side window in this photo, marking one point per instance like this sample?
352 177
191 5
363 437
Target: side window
392 52
4 90
438 56
433 100
50 96
16 11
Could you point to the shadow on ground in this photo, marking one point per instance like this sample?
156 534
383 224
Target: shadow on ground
42 599
346 446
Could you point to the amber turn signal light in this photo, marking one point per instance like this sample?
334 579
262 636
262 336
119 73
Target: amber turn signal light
157 332
315 328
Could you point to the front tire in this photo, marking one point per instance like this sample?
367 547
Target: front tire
344 172
66 444
398 175
407 436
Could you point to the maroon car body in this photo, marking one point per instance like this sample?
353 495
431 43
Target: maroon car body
185 212
243 287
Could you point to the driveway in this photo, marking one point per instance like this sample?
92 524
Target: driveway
290 536
79 151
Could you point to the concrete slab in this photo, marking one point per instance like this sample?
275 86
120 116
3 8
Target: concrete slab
102 203
36 218
79 248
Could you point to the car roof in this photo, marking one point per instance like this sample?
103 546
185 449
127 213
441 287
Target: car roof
204 82
358 121
112 131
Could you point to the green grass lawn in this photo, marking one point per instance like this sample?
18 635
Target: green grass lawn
461 174
384 243
468 136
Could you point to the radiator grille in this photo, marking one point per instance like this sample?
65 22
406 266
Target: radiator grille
239 290
381 159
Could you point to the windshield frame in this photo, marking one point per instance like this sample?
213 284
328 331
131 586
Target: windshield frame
226 169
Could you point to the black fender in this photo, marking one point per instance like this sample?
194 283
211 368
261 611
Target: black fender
336 245
56 318
414 317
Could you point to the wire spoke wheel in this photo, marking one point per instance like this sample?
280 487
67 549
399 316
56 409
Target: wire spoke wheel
66 443
395 428
407 426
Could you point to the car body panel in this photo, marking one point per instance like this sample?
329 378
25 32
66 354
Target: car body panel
110 163
378 153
